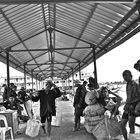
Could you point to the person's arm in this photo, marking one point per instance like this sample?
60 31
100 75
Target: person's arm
76 97
114 93
57 91
3 103
35 96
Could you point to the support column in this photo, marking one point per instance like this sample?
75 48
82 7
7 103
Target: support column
138 6
36 83
79 72
39 83
8 74
32 81
95 68
72 81
68 81
25 76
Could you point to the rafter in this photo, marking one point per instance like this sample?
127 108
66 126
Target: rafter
56 49
61 1
83 29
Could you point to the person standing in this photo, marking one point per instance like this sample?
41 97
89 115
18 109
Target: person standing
5 93
132 98
79 104
47 105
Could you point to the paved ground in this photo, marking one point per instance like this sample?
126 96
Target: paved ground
63 132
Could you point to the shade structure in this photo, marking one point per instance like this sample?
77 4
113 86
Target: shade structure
52 38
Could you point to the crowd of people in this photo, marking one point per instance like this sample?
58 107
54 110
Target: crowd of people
14 100
86 94
101 96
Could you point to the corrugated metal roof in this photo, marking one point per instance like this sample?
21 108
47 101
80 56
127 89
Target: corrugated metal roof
52 38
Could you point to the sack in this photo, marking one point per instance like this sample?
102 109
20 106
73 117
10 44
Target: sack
94 110
90 97
33 127
57 120
113 127
134 136
88 128
100 131
103 131
94 119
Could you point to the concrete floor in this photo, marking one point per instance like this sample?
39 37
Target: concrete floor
63 132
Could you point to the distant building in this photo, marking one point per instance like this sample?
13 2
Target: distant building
19 81
84 75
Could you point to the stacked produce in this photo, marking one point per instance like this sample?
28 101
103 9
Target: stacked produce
94 112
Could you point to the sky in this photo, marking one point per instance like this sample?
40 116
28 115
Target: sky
111 65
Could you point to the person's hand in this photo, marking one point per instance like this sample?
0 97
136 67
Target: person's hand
54 85
126 108
35 94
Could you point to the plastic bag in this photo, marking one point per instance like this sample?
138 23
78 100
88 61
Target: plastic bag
33 127
57 120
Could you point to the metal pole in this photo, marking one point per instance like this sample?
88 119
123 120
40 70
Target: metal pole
36 83
95 68
25 76
32 81
8 74
79 71
72 81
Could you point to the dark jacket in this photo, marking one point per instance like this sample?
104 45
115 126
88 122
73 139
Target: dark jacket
15 105
79 98
47 101
22 96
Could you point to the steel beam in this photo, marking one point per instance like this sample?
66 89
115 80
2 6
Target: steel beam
126 17
50 49
61 1
51 63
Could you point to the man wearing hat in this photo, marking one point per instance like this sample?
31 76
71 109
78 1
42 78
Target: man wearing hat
47 105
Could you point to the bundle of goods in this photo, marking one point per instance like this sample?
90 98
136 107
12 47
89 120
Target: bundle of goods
108 128
94 112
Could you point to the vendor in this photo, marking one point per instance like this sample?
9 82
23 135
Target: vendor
22 96
13 104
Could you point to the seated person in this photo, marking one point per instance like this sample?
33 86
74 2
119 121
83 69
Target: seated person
110 103
22 96
13 104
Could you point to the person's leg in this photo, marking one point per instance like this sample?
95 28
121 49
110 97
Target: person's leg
132 124
123 128
79 119
43 120
49 120
123 125
76 119
79 124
